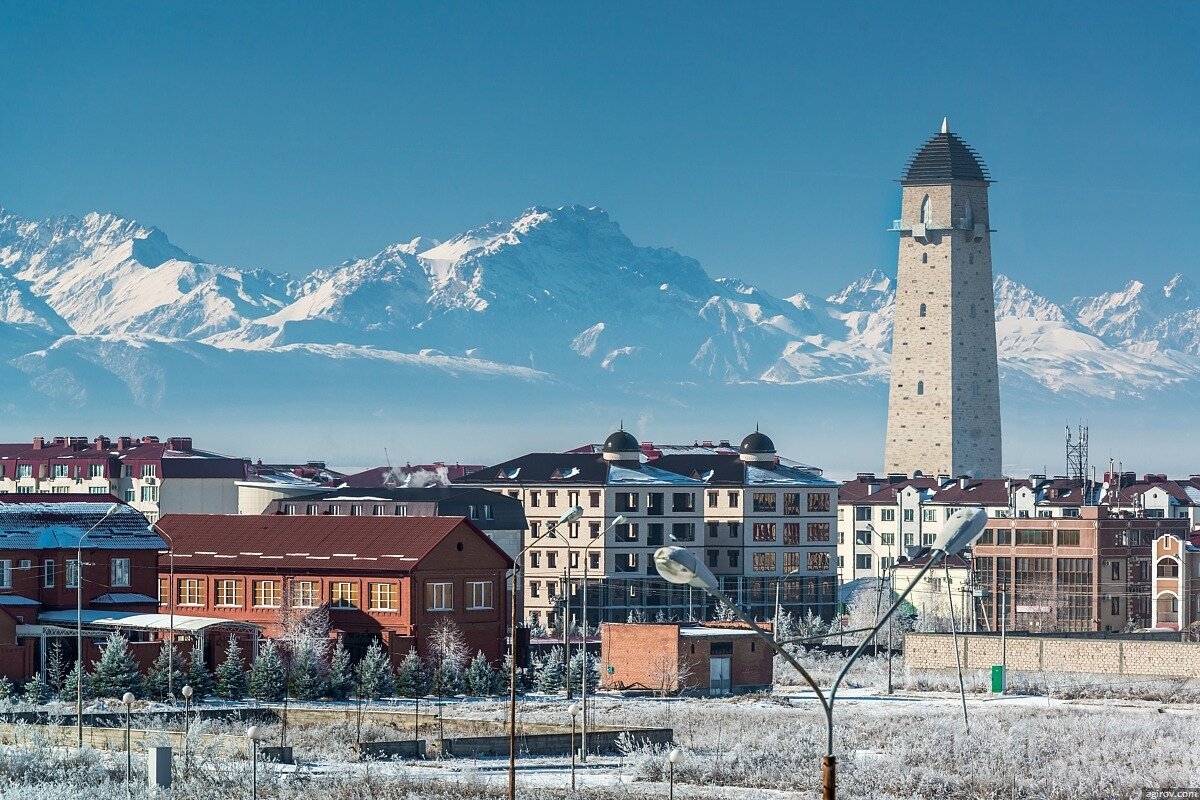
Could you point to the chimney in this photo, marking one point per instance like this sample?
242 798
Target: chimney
149 440
101 443
963 482
707 443
724 443
60 441
38 443
123 443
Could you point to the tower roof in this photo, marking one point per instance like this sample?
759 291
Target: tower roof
945 158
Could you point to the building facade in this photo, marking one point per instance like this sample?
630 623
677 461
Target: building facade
387 578
944 399
675 658
757 519
155 477
1176 589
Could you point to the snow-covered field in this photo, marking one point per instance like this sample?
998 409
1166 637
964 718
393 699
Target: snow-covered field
910 745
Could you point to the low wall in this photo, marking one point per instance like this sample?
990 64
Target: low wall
114 719
550 744
402 749
1053 654
113 738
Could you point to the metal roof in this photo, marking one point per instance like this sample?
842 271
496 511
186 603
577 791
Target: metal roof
48 525
945 158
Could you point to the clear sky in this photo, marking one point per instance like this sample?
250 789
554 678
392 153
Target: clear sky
761 139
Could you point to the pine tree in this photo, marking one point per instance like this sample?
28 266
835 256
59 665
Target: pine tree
56 667
341 680
68 694
116 672
306 678
36 692
447 680
231 674
577 667
411 678
198 677
156 676
373 674
267 677
479 678
550 676
7 691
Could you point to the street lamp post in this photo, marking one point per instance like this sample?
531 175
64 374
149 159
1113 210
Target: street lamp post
253 734
571 515
672 758
186 691
127 701
778 606
681 566
79 624
583 688
573 710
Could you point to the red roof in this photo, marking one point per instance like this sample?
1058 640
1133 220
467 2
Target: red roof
310 542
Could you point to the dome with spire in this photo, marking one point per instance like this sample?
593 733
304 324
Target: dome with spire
621 446
945 158
757 447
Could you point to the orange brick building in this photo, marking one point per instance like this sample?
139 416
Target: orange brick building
386 578
683 658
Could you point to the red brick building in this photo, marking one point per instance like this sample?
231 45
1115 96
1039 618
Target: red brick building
387 578
683 658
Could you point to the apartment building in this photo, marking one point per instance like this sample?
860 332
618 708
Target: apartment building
155 477
1176 584
753 517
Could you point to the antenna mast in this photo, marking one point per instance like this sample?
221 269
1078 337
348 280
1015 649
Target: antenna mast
1077 457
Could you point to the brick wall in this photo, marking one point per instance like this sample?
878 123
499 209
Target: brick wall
1047 654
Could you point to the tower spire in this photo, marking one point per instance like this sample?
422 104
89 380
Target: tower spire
945 124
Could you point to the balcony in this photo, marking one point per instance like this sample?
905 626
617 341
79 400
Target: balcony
897 226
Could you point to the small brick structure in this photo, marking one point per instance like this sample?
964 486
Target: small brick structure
683 658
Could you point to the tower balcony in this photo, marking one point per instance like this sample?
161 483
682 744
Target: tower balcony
898 226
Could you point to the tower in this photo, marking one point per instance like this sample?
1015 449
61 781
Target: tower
944 400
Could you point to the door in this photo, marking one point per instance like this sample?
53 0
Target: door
719 673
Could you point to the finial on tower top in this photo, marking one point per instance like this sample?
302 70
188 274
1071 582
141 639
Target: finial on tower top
945 124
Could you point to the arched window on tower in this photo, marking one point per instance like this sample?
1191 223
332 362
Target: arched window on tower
924 258
920 387
924 310
926 211
968 221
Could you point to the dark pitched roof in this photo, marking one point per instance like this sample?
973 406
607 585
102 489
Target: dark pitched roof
393 544
585 468
725 469
451 501
945 158
54 521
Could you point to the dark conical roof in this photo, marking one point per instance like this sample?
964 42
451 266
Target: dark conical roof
621 442
945 158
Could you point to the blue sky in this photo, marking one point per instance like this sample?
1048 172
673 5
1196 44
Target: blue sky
761 139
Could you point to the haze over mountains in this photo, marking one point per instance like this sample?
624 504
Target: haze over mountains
101 316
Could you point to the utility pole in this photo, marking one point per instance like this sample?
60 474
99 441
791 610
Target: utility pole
1004 639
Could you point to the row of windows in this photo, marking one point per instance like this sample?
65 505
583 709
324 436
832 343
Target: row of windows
77 471
267 593
355 510
816 532
119 572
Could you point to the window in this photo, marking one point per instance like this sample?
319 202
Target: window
305 594
335 510
266 594
551 499
24 470
149 470
119 572
594 499
48 573
473 511
310 510
764 531
593 561
626 532
130 495
191 592
711 557
818 532
572 498
1068 538
908 515
683 502
97 490
920 387
480 593
887 515
887 538
164 592
791 532
1070 512
763 562
401 511
929 515
72 574
95 470
573 559
733 557
712 499
733 499
535 560
818 502
356 510
1035 538
764 501
625 562
791 562
60 490
683 532
924 311
862 513
62 470
229 592
535 499
864 537
573 530
535 589
487 511
862 561
735 530
378 510
627 501
926 211
1168 568
439 596
343 594
654 534
149 494
383 596
791 504
5 573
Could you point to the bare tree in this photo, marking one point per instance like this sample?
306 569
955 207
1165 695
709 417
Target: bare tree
447 644
672 675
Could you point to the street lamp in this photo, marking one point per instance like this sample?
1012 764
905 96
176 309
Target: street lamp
253 734
778 607
186 691
573 710
571 515
681 566
672 758
127 701
112 509
583 689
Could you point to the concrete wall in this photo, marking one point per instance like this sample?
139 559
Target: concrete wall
550 744
1047 654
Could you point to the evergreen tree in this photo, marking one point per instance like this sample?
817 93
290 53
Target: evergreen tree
197 677
56 667
550 676
116 672
156 677
578 668
68 694
447 680
306 679
7 691
479 678
411 678
231 674
341 679
373 674
267 677
36 692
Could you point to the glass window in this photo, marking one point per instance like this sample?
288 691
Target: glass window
683 532
862 513
733 499
62 470
818 502
862 561
791 562
763 562
683 502
149 494
72 577
343 594
626 532
733 557
594 499
48 573
229 592
149 470
266 594
818 531
1068 538
791 504
383 596
712 499
378 510
120 571
401 511
24 470
627 501
791 533
5 573
439 596
305 594
95 470
764 531
164 597
480 593
764 501
191 592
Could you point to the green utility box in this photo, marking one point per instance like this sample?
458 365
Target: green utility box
997 679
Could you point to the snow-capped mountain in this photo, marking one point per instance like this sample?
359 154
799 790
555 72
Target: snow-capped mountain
558 295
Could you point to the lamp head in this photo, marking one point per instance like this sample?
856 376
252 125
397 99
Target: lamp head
186 692
112 509
253 733
680 565
127 699
572 514
620 520
962 528
675 755
573 709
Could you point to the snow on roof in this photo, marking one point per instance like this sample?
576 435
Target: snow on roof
147 622
121 598
17 600
698 631
785 475
51 526
622 476
1193 493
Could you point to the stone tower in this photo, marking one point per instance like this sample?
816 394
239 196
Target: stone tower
944 402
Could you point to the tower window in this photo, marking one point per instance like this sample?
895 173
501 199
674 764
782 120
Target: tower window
972 310
920 387
926 211
924 258
971 258
925 310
